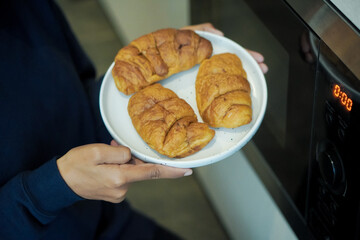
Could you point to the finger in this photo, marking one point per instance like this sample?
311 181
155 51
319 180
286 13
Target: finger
264 68
257 56
114 143
136 161
305 45
106 154
207 27
309 57
136 173
213 30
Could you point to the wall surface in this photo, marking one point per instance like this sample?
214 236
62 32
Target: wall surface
242 202
350 8
134 18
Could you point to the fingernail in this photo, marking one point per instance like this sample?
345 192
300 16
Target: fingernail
265 68
188 173
260 58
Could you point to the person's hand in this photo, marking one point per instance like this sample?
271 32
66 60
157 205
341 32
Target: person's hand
104 172
259 58
306 48
208 27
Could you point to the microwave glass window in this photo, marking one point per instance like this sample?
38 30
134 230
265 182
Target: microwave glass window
268 27
242 25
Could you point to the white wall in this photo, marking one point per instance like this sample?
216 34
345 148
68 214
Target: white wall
134 18
350 8
242 201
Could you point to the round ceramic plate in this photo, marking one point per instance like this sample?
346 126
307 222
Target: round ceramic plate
113 107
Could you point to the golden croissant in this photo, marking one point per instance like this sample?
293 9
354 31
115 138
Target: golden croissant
156 56
223 92
167 123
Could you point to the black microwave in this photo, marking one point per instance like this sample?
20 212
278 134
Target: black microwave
305 151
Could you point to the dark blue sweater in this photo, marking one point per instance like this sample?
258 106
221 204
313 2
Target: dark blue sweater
45 111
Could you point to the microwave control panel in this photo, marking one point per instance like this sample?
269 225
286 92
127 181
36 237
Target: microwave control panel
334 176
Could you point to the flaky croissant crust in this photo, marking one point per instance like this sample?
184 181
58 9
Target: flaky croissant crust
223 92
167 123
156 56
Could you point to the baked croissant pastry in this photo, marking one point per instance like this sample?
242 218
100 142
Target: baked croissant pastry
156 56
167 123
223 92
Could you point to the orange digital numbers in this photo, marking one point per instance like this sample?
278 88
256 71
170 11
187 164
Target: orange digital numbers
349 104
336 90
343 97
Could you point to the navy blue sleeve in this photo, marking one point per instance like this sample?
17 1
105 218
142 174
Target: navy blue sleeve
44 112
31 200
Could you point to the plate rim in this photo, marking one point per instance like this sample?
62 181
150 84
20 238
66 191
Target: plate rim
174 162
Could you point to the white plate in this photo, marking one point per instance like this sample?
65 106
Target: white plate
113 107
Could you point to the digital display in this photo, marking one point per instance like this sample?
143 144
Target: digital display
343 98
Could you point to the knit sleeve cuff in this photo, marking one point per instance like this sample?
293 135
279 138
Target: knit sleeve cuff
47 189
